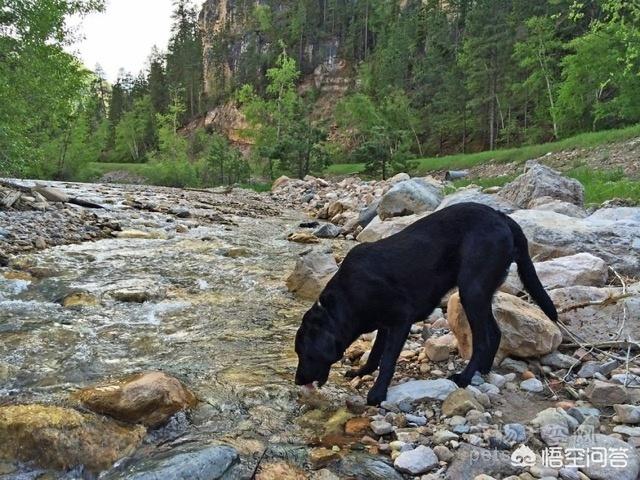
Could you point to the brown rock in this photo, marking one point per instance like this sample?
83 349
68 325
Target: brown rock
459 402
279 471
62 438
357 426
526 331
303 237
606 394
436 351
321 457
80 299
148 398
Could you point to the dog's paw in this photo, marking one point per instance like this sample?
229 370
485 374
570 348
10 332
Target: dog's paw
353 373
460 380
375 397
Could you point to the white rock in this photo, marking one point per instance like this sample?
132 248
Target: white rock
417 461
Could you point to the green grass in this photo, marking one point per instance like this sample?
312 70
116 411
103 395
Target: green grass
601 185
518 155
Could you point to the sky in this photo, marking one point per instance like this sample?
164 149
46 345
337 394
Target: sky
123 35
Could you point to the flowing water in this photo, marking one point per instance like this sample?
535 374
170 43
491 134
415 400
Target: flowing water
217 316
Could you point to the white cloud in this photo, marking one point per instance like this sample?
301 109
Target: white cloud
123 35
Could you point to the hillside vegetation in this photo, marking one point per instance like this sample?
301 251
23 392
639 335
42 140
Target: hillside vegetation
422 85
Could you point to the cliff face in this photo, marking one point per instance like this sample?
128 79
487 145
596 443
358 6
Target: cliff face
241 40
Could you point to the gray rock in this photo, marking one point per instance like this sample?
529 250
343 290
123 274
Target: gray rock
207 464
367 214
52 194
629 379
365 467
515 365
475 195
532 385
579 269
629 431
558 360
416 462
470 461
515 433
312 272
598 471
597 321
419 390
581 413
381 427
416 419
558 206
541 181
443 436
328 230
627 413
496 379
555 425
378 229
613 238
410 197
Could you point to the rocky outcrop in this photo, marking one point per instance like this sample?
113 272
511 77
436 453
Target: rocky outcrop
148 398
540 181
526 331
61 438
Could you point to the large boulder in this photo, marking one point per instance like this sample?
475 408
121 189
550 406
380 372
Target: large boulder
312 272
558 206
62 438
379 229
526 331
541 181
579 269
410 197
475 194
470 461
599 313
611 234
147 398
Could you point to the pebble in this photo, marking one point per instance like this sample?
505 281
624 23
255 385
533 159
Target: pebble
515 432
532 385
381 427
626 413
443 436
416 462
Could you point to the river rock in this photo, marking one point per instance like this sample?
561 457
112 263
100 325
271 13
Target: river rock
380 427
367 467
62 438
459 402
558 206
410 197
526 331
605 393
51 194
579 269
470 461
558 360
148 398
437 349
328 230
475 194
312 272
80 299
379 229
541 181
321 457
415 391
204 463
532 385
607 471
417 461
597 312
627 413
611 234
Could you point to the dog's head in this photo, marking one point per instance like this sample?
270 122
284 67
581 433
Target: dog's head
317 347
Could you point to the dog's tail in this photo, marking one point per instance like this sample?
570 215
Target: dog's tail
527 272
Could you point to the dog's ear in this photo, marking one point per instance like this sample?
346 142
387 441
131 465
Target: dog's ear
324 344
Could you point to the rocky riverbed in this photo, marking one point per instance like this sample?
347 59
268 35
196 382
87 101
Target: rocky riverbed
160 346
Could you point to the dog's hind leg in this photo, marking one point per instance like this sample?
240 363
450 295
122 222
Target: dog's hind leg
394 342
374 357
494 335
476 302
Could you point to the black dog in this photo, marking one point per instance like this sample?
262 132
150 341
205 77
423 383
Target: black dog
390 284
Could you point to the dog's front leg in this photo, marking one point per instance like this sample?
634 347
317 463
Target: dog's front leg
374 357
395 338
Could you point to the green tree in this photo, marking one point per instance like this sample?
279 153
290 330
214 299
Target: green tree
39 81
135 133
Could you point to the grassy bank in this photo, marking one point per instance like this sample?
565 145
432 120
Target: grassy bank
519 155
